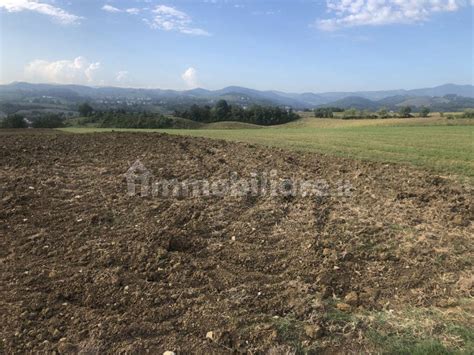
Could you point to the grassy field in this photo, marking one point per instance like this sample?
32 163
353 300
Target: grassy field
446 146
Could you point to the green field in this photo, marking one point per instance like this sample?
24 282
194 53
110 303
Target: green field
445 146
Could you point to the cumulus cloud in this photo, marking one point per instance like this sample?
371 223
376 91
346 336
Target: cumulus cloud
168 18
110 8
133 11
121 76
76 71
190 77
56 13
113 9
350 13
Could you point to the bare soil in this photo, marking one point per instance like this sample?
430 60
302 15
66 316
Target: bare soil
87 268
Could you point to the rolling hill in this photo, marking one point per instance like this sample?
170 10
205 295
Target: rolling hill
444 97
445 103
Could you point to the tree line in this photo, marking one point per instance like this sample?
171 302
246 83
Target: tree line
223 111
49 120
404 112
122 119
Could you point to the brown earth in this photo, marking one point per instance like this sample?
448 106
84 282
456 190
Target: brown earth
87 268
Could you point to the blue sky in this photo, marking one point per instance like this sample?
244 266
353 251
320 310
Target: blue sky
293 45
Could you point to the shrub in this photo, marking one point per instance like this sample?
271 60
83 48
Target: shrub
382 113
323 113
405 112
85 109
48 121
469 113
14 121
350 113
424 112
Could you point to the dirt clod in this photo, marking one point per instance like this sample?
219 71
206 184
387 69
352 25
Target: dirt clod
352 298
344 307
211 335
65 347
313 331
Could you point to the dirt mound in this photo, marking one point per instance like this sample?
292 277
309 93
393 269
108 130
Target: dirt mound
88 268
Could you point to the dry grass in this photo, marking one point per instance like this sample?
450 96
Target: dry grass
424 330
309 121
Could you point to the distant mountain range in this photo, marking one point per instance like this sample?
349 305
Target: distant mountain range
440 97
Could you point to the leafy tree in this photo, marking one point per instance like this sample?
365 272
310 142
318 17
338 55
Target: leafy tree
85 109
468 113
48 121
323 113
424 112
350 113
237 113
367 114
405 112
195 112
222 110
383 113
14 121
115 119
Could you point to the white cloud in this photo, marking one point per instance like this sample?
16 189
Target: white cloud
194 31
110 8
266 13
163 17
190 77
76 71
113 9
56 13
350 13
133 11
121 76
168 18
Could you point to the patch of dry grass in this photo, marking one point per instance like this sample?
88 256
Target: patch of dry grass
424 330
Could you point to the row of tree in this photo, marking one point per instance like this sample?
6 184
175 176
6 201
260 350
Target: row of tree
50 120
326 112
109 119
222 111
404 112
120 119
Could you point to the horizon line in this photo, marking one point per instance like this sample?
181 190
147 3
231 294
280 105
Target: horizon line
226 87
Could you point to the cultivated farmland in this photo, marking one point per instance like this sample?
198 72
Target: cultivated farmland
384 268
